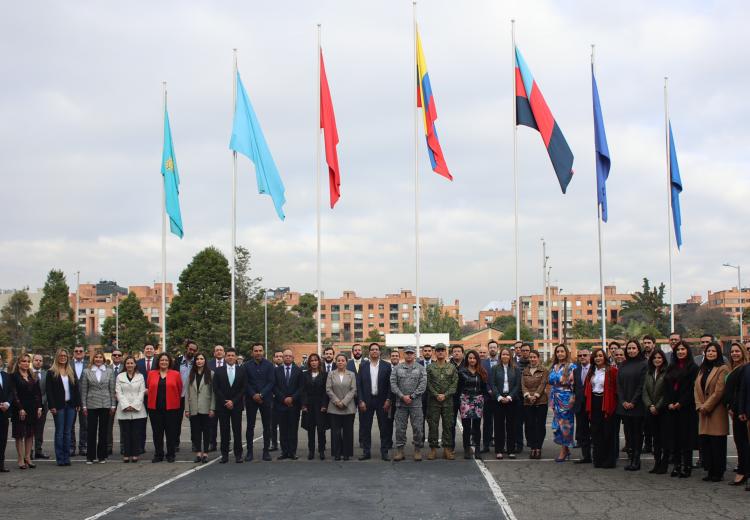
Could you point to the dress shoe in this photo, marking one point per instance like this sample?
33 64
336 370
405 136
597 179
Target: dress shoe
293 457
346 459
198 459
274 447
310 455
41 455
282 457
157 459
204 459
249 456
266 456
384 456
365 456
238 459
322 455
3 469
170 458
738 483
582 461
224 459
337 459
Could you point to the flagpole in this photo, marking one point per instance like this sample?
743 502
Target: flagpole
163 246
669 203
515 181
234 199
417 311
317 198
599 232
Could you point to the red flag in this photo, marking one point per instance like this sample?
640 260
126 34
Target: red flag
328 124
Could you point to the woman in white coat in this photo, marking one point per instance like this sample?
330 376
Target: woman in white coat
130 388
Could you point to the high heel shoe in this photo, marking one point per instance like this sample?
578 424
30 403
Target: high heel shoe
738 483
30 464
564 458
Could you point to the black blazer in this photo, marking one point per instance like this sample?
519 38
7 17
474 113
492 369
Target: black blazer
282 389
6 396
223 391
314 390
56 391
364 384
579 385
685 393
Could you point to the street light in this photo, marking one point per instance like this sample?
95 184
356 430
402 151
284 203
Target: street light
739 288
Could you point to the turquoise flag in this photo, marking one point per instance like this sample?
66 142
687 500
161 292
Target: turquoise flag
247 139
171 180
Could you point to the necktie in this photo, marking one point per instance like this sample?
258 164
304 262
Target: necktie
287 373
230 375
148 364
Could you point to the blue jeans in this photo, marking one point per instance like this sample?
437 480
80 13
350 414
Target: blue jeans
63 427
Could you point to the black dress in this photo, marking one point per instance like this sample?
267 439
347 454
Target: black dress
28 397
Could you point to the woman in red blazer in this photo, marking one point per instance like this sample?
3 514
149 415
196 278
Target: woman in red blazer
601 403
164 392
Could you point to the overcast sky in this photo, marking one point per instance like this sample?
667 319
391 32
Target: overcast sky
81 138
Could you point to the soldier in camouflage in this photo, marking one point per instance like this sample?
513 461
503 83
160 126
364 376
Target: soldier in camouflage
408 383
442 380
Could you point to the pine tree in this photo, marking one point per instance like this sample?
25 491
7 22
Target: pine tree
15 321
53 326
135 328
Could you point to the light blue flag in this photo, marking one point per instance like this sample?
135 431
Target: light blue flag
676 184
602 150
248 139
171 180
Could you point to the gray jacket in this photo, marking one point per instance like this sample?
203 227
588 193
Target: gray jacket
98 394
341 390
409 380
199 400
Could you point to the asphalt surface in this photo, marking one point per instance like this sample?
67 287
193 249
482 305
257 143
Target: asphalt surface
363 490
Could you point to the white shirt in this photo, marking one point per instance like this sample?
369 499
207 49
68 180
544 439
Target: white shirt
78 367
219 363
374 368
66 386
506 386
585 371
597 382
98 371
341 378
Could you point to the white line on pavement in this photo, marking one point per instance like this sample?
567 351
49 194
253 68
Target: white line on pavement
156 487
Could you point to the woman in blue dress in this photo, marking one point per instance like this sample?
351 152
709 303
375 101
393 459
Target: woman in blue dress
562 398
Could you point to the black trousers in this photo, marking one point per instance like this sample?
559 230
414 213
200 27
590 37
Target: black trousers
131 431
231 418
317 425
456 404
213 423
519 426
83 427
342 435
633 426
200 431
365 427
488 420
681 435
657 426
3 435
39 433
274 426
288 426
535 419
741 441
164 423
252 408
648 430
583 427
505 427
98 422
604 435
110 434
179 424
472 433
714 453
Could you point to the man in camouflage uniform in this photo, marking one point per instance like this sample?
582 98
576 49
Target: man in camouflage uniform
442 380
408 383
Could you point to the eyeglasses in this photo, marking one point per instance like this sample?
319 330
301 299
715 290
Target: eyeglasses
116 355
78 352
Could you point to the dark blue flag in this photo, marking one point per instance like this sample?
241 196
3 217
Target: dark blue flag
602 150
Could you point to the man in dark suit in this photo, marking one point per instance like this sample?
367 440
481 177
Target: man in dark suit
329 365
259 398
287 390
144 366
213 364
373 391
490 403
353 365
230 382
79 364
278 360
117 367
583 426
41 375
6 397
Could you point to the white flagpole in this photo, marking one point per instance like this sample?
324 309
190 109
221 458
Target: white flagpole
669 203
599 230
163 248
417 311
317 197
515 181
234 198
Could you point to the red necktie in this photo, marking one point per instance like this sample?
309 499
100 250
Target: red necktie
148 365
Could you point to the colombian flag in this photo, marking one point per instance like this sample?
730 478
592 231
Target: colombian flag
532 111
427 102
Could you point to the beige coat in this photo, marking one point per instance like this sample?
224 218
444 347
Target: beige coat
199 400
343 391
716 421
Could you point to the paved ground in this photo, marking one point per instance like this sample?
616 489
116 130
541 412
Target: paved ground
371 490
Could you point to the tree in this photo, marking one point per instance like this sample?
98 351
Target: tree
15 321
246 287
503 322
53 326
435 320
647 306
375 336
694 321
582 329
510 332
201 310
135 328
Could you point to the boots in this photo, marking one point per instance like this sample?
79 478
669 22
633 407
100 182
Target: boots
677 470
448 454
477 452
687 464
657 461
432 454
418 455
399 456
467 452
661 469
635 464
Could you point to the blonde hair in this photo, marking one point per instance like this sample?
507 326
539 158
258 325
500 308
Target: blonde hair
57 370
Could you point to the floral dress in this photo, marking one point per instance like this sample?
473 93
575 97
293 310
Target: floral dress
561 401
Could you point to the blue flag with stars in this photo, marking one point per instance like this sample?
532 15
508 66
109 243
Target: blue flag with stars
171 180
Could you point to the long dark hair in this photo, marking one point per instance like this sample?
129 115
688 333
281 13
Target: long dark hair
707 365
593 367
480 369
321 365
638 357
664 364
674 371
194 370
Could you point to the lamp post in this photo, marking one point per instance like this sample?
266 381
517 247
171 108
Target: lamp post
739 288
